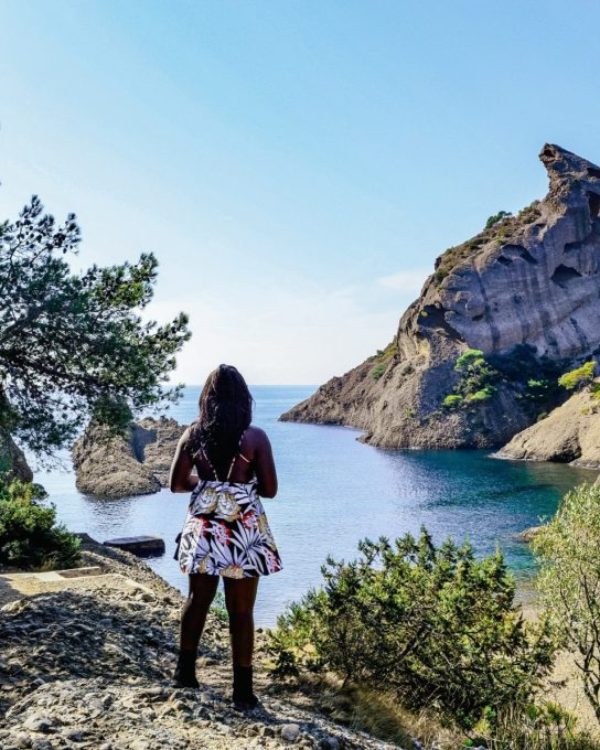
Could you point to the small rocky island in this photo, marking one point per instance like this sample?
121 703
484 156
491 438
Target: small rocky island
137 463
502 316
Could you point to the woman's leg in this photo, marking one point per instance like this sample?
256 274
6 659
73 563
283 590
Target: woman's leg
201 593
202 590
240 595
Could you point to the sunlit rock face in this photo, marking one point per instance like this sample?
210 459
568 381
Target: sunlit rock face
136 463
531 279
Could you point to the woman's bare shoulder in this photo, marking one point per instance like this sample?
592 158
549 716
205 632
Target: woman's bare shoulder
256 437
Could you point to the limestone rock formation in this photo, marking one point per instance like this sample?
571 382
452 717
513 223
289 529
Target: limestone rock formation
137 464
569 434
13 464
525 291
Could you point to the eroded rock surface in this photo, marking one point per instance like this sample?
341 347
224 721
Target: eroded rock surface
137 464
12 459
569 434
531 280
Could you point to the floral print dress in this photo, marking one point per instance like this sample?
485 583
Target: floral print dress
226 532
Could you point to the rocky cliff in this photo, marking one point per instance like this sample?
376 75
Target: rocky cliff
13 464
569 434
137 463
524 293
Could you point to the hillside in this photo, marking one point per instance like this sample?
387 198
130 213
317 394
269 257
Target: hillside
87 663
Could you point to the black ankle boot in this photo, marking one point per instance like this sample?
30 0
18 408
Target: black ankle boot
243 697
185 672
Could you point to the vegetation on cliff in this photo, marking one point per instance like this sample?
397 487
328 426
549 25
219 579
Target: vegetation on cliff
579 377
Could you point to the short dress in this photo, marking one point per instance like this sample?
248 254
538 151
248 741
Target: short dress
226 532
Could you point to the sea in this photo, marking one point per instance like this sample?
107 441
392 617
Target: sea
335 491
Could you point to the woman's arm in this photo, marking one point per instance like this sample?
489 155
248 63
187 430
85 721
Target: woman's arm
264 465
181 478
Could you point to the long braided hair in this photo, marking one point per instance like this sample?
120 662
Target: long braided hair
225 411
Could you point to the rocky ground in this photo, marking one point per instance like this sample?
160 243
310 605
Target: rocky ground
89 666
569 434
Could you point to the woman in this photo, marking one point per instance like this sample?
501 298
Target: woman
226 463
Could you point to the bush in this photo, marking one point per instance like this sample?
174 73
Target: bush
433 625
378 370
482 394
579 377
547 726
472 358
452 400
29 535
495 218
569 580
476 380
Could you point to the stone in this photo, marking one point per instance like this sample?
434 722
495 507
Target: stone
37 723
528 535
141 546
137 463
290 732
74 735
527 283
41 744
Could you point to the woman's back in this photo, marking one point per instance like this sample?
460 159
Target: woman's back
252 460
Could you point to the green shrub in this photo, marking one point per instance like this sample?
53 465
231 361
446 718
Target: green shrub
433 625
579 377
452 401
29 535
378 370
569 580
472 358
476 380
539 389
482 394
530 213
495 218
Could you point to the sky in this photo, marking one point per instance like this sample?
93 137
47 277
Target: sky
295 165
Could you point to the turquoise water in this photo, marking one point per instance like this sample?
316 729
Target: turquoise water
334 491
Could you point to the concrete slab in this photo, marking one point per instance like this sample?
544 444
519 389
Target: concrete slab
142 546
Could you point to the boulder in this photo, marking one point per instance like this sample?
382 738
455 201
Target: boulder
141 546
528 535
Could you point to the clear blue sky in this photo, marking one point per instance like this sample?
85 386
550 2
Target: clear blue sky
295 165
